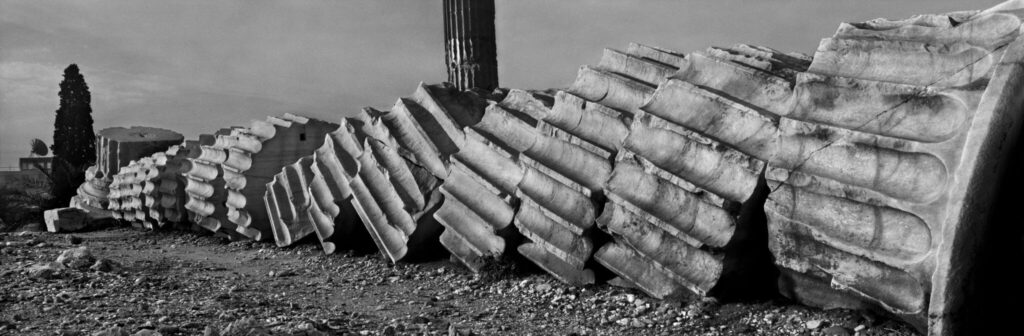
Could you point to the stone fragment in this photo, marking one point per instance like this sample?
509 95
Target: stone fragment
836 331
105 266
65 219
76 258
45 271
112 331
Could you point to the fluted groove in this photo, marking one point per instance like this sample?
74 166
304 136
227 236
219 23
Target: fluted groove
470 47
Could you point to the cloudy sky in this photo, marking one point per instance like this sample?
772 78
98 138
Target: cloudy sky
196 66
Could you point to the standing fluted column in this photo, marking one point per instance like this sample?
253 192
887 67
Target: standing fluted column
470 47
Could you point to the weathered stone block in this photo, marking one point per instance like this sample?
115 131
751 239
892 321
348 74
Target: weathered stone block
884 164
65 219
682 207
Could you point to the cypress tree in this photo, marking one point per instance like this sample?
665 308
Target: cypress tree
74 142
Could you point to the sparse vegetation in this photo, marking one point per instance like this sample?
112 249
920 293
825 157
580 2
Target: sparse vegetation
19 207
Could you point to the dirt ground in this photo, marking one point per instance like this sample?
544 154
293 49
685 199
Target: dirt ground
181 283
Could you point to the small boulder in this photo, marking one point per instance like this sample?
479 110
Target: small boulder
814 324
77 258
105 266
74 240
836 331
45 271
112 331
211 331
33 227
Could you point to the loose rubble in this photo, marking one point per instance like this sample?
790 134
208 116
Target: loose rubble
211 287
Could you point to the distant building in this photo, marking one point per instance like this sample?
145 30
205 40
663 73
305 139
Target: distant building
30 163
28 176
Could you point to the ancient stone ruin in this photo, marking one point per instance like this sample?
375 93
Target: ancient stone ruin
116 147
861 176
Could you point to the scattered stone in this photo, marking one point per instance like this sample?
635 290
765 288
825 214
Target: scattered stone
33 227
105 266
452 331
744 328
169 330
389 331
420 319
245 326
77 258
45 271
836 331
211 331
74 240
813 324
543 287
112 331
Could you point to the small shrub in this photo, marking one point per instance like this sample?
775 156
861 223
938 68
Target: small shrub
19 207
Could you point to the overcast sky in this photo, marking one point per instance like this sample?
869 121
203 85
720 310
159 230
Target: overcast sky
196 66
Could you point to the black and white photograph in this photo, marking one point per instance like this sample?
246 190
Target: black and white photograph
511 167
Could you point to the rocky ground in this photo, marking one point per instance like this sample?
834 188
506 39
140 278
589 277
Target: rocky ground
123 281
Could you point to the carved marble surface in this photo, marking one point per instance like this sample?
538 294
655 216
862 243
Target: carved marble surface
861 176
117 147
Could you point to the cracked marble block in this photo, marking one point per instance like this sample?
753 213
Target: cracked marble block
414 144
888 159
331 212
390 166
205 186
149 192
132 192
567 147
554 182
681 207
875 181
227 172
381 152
116 147
480 201
170 186
288 202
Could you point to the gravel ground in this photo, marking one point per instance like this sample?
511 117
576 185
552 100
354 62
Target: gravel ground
130 282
